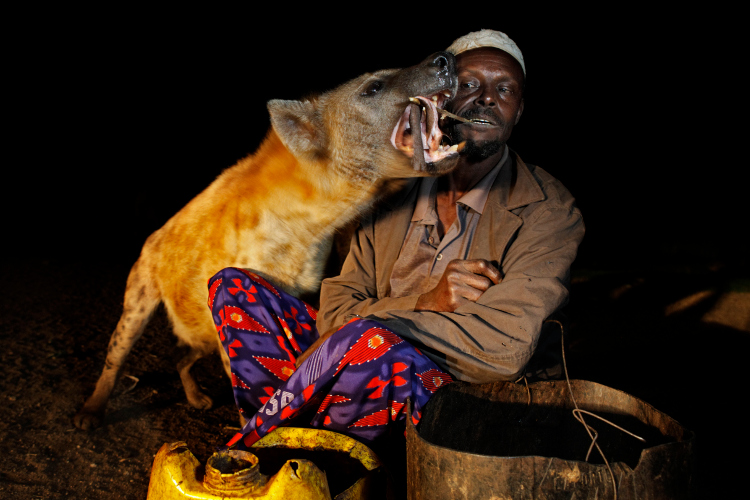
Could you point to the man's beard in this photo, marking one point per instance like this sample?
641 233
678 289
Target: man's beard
476 151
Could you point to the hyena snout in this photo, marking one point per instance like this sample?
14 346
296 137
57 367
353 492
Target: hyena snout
440 67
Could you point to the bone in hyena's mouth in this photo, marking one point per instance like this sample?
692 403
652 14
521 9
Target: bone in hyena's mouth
423 113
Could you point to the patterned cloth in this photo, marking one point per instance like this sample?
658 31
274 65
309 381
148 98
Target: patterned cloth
359 378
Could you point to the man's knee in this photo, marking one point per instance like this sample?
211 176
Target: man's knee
361 326
230 273
234 279
367 334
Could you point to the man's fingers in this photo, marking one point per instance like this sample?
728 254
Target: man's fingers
462 280
470 281
471 293
483 268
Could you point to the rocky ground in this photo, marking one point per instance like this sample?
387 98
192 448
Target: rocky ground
675 338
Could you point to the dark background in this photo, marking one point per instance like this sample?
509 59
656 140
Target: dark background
115 118
118 118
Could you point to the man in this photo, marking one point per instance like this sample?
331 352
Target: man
453 277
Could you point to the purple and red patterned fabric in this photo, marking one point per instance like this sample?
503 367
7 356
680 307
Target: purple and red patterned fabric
359 378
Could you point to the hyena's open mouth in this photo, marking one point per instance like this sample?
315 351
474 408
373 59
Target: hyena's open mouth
423 113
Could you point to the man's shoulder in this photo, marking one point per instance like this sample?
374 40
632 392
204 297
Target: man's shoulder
554 193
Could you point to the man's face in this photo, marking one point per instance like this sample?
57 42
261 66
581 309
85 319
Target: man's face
490 88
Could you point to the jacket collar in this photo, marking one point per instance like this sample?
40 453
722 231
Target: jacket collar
515 187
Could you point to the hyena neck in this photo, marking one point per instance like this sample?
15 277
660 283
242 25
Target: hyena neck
321 190
294 207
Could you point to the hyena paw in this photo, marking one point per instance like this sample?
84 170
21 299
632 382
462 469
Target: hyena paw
87 420
200 401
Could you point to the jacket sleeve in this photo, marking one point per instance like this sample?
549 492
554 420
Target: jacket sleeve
494 338
354 291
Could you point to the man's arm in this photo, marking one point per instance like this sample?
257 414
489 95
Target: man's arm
491 337
354 291
463 281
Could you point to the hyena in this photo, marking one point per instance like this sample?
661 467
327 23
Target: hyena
323 162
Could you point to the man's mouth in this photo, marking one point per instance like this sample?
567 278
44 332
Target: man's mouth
481 117
423 113
481 121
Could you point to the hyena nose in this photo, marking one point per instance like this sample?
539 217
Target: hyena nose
443 63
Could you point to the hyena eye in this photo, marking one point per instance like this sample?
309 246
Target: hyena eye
372 88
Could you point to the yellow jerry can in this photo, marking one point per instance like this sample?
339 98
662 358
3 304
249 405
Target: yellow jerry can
285 464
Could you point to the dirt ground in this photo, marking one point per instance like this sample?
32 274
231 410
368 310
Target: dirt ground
675 339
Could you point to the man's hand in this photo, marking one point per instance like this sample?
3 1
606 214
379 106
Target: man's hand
302 357
462 281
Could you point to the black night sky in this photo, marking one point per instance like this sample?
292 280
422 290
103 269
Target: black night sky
115 118
117 122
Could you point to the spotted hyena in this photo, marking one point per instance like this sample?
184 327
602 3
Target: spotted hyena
323 162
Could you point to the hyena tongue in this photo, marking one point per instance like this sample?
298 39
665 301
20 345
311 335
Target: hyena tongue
415 122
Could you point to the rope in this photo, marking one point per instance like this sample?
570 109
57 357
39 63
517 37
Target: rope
578 415
528 391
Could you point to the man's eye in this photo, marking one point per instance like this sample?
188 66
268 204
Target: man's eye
373 88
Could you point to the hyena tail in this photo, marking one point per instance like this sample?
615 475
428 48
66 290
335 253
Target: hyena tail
141 299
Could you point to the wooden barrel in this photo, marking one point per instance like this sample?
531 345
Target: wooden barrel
502 440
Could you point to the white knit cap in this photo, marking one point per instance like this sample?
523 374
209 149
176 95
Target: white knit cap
487 38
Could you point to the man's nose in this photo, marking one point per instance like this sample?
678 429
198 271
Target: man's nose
486 98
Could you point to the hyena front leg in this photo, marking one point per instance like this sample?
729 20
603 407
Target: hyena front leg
228 369
195 396
139 304
193 326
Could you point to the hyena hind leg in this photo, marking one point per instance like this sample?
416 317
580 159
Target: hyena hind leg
139 305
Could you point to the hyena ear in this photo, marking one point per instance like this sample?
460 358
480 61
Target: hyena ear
299 126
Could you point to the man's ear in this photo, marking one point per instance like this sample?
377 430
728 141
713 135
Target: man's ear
520 112
299 127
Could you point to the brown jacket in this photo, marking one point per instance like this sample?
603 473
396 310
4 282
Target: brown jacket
530 229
